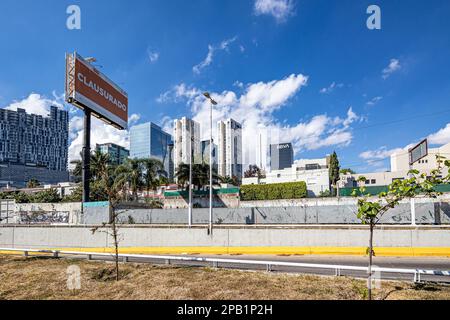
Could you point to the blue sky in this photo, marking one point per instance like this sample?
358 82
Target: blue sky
308 71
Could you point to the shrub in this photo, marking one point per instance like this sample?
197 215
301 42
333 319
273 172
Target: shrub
276 191
47 196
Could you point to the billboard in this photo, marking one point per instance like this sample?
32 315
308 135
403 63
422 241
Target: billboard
86 87
418 152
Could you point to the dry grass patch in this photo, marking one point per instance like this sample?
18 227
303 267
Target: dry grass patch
38 278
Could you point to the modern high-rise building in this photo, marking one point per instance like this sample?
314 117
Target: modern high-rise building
149 141
117 154
186 142
205 152
229 148
33 147
262 149
281 156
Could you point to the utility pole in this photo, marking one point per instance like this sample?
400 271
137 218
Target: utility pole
191 151
211 193
86 174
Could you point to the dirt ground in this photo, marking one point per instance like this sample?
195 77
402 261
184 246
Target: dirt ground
40 278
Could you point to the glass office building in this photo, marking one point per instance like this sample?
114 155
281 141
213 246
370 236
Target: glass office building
147 141
117 154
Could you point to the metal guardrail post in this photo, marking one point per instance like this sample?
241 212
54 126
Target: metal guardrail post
215 264
125 259
261 263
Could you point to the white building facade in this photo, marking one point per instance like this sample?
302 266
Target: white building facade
399 169
314 172
187 143
229 147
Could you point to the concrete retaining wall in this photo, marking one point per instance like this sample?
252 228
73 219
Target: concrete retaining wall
306 236
44 213
310 212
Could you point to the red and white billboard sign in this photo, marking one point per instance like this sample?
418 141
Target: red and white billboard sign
86 87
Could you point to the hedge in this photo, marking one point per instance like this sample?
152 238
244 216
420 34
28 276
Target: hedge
276 191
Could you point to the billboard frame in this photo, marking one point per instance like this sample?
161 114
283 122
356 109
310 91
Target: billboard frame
419 145
82 102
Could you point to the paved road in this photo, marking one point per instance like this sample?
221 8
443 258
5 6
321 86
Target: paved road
442 264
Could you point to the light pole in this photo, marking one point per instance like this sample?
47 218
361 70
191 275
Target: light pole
190 173
212 103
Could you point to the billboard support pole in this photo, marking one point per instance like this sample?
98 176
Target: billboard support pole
86 154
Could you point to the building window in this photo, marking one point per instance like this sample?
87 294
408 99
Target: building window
374 181
314 166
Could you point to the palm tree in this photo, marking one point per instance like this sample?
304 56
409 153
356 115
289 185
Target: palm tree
77 171
153 170
100 162
200 175
131 172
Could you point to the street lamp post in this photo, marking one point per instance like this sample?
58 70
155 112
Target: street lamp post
211 194
190 173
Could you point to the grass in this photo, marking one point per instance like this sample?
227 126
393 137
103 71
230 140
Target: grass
42 279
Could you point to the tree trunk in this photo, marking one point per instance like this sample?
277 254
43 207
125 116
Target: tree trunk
116 247
369 284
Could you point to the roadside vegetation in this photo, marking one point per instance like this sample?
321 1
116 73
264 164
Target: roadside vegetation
370 211
43 279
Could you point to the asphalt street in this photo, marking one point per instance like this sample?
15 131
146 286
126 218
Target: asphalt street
438 264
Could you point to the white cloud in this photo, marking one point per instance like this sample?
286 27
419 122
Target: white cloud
254 110
441 137
393 66
134 118
331 88
36 104
153 56
374 101
279 9
100 133
380 154
224 45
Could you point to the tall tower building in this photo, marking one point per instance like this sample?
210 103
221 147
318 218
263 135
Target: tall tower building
281 156
33 147
186 142
230 148
149 141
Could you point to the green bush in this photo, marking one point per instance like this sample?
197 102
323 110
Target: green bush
47 196
276 191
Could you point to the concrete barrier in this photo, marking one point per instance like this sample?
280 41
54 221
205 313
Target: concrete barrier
393 240
427 212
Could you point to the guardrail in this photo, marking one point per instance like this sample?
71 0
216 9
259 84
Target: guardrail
417 273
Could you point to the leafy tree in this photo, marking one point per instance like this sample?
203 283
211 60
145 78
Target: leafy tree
200 175
130 173
371 211
253 172
22 197
99 163
47 196
33 183
114 181
77 170
347 171
154 169
334 171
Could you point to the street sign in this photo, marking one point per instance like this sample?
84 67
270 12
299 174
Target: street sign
418 152
86 87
